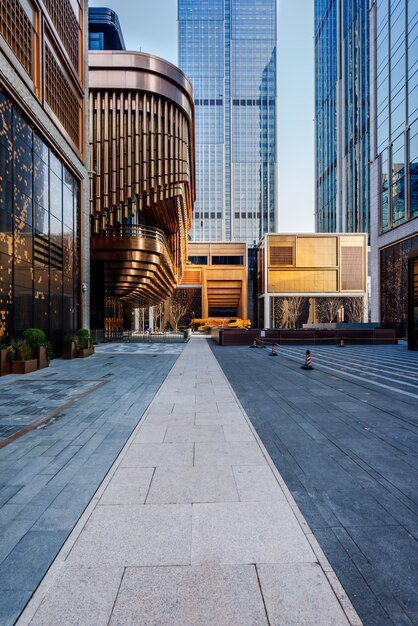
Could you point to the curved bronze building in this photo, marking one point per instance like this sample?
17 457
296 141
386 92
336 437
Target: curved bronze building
141 181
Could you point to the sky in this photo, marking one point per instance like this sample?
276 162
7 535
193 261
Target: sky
152 27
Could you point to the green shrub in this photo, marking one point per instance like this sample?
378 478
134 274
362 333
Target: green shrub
82 338
20 350
34 337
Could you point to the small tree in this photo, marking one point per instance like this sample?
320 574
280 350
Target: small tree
355 308
328 309
158 311
295 308
180 301
141 319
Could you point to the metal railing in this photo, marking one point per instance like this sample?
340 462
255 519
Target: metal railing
142 232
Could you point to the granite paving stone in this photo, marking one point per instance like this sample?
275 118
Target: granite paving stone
128 486
141 535
228 453
299 594
81 596
257 484
192 484
190 596
158 454
190 434
256 532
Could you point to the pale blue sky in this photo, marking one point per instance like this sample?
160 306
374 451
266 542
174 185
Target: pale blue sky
152 27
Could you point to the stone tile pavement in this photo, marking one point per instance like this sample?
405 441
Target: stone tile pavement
192 526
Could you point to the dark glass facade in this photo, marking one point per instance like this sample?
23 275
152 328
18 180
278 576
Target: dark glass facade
228 50
39 232
396 50
394 155
105 32
342 112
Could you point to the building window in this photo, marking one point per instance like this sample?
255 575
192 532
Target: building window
198 260
227 260
281 255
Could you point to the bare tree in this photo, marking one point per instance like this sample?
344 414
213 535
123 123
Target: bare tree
328 309
355 308
295 308
141 319
158 312
180 301
280 313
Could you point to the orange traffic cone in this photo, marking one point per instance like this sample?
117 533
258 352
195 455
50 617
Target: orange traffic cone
254 344
308 362
273 350
342 344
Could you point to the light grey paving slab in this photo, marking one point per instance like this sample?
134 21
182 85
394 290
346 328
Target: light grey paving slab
182 417
299 594
233 453
135 535
189 434
158 455
151 433
256 532
189 596
80 596
237 432
214 417
192 484
257 484
129 485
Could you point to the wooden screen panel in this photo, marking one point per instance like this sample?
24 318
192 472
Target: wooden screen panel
281 255
61 97
352 268
16 29
65 21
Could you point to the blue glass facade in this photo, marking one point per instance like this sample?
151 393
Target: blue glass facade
228 50
394 202
396 49
342 112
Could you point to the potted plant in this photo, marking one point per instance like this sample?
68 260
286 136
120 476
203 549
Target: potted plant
41 349
84 347
21 356
69 347
4 359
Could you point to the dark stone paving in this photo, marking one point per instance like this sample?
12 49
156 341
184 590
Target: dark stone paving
348 453
24 402
49 475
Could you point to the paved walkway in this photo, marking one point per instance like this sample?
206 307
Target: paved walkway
345 439
192 526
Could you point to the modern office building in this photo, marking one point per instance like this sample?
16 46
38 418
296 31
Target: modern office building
142 182
394 167
44 257
105 32
311 279
218 273
342 110
228 50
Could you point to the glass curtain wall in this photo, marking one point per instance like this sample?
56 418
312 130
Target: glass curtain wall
397 110
228 50
39 238
342 111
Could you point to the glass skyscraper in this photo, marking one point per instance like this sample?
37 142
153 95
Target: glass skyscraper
228 50
394 156
342 111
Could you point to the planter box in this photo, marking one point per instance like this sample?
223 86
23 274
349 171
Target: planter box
24 367
4 362
42 358
69 350
83 353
